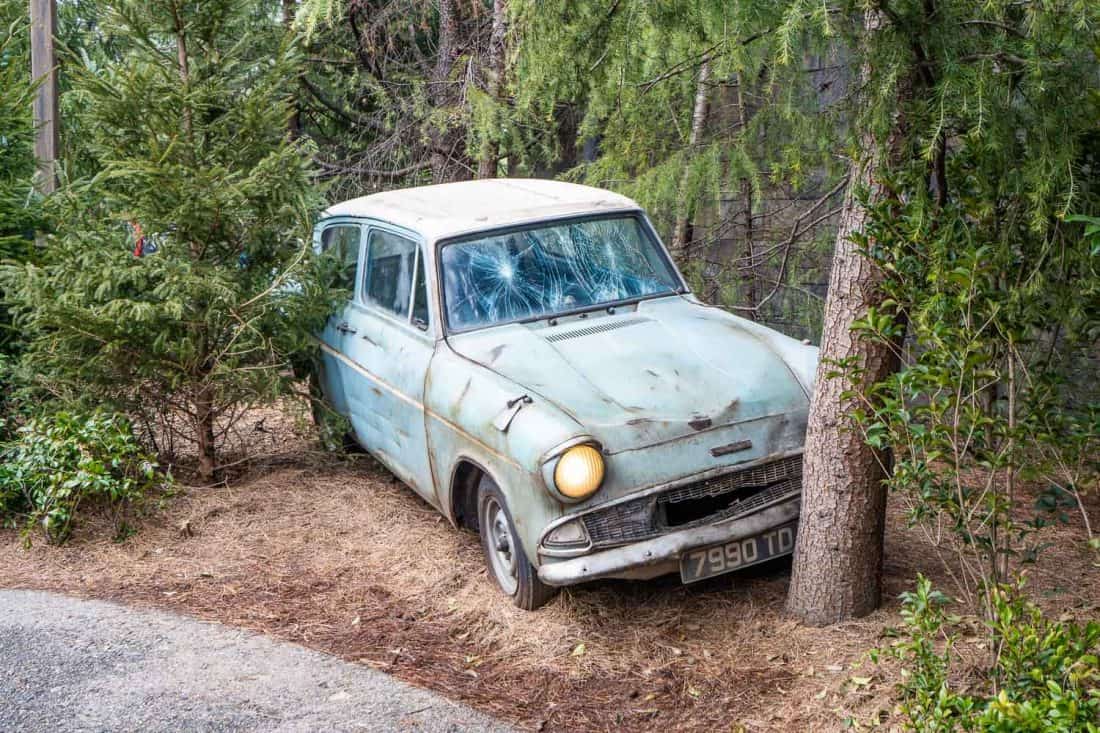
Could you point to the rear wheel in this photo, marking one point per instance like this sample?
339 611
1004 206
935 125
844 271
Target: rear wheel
504 555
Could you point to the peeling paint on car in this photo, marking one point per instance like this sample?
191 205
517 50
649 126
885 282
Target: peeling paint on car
684 397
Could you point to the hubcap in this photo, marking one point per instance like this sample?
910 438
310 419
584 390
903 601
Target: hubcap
501 542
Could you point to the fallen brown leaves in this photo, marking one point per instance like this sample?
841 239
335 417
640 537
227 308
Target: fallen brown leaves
338 556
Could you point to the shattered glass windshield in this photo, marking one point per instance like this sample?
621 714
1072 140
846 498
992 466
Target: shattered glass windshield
543 271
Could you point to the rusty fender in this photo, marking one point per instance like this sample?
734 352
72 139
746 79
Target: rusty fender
667 547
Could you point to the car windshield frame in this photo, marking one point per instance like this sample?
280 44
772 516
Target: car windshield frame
645 227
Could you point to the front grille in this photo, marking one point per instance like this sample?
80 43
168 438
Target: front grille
703 502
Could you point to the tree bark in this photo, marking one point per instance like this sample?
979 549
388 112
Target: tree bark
490 154
748 269
839 552
294 124
698 126
184 63
446 53
204 416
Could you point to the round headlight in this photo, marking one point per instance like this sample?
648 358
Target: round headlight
579 472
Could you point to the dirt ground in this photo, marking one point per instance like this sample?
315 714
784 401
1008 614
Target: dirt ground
337 555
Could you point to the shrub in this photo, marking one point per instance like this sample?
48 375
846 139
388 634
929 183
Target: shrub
1044 676
193 334
59 466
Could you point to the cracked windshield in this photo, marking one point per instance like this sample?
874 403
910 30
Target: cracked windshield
526 274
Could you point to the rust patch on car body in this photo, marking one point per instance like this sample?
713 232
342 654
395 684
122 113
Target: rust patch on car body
736 447
700 423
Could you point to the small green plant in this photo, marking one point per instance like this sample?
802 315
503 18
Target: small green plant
1045 674
58 466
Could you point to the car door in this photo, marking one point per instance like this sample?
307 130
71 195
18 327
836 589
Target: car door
391 340
342 242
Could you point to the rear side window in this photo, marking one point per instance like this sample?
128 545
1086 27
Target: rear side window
341 244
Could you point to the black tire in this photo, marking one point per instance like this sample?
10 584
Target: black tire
508 566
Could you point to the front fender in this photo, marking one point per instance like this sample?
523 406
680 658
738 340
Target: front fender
463 400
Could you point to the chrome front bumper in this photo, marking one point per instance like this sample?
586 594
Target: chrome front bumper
666 549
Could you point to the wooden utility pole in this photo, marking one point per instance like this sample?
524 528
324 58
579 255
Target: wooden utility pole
44 71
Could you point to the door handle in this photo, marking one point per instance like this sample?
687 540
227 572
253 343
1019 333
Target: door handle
345 328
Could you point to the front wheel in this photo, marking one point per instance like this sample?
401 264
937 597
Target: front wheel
504 555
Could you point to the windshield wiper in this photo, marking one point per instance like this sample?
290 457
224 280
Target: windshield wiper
609 307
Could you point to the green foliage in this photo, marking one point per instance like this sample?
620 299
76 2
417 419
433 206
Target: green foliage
17 202
200 157
314 14
633 68
1045 677
374 93
996 289
755 182
61 466
1092 230
20 213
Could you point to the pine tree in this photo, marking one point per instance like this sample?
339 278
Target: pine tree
977 136
16 131
705 112
19 204
189 130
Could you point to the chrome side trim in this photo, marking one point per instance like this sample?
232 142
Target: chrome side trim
416 403
372 377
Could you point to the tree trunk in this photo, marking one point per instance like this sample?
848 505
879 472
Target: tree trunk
748 268
204 415
185 71
490 154
838 554
446 54
294 124
698 125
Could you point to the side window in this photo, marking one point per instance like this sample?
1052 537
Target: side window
389 277
420 294
341 243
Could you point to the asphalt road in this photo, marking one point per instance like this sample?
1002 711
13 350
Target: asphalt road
69 664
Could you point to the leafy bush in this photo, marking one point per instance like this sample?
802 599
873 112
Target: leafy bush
60 465
1045 675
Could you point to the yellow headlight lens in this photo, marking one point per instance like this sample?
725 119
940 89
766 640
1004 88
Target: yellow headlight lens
579 472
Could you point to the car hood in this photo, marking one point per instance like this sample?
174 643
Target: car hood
647 375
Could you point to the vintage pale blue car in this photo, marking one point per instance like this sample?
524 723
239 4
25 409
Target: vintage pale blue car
525 356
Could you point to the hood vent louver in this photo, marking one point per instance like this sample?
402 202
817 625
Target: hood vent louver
594 329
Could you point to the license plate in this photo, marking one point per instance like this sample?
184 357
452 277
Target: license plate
706 562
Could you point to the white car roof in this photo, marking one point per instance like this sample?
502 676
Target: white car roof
448 209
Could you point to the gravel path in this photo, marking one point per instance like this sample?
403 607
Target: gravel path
69 664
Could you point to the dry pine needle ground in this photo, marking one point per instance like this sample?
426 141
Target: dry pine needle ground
337 555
